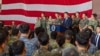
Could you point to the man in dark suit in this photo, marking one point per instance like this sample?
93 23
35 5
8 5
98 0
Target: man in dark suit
67 22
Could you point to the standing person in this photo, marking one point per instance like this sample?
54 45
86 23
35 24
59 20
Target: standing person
25 31
82 43
93 21
37 24
15 36
97 37
84 22
60 41
34 40
75 20
58 20
53 42
43 21
49 22
3 43
67 22
69 39
43 39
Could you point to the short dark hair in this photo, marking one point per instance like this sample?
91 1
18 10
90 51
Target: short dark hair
7 28
15 31
68 34
82 39
53 35
43 39
18 47
38 30
98 26
66 12
1 24
60 40
3 36
94 14
88 32
24 28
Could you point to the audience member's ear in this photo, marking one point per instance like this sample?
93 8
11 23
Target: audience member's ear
3 45
76 42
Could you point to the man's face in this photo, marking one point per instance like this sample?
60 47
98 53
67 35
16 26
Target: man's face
83 16
65 15
42 15
98 29
77 14
56 15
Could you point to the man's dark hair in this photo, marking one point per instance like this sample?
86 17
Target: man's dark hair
39 30
87 32
98 26
17 47
68 35
94 14
53 35
3 36
1 24
24 28
82 39
60 40
15 31
66 12
43 39
7 28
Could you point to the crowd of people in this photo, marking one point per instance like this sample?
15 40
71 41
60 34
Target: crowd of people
81 38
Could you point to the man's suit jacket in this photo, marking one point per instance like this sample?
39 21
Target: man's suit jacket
67 23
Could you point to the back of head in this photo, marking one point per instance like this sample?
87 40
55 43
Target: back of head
8 29
24 28
39 30
87 32
18 47
82 39
15 31
60 40
70 52
43 39
68 35
94 14
53 35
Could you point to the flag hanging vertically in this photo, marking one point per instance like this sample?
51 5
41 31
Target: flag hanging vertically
28 10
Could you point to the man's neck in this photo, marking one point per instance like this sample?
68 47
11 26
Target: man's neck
16 37
80 49
67 41
46 47
25 35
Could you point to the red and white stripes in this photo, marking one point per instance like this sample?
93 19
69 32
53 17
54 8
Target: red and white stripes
29 10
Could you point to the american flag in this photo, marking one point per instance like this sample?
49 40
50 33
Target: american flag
28 10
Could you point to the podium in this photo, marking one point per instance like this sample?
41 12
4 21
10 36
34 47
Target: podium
57 28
